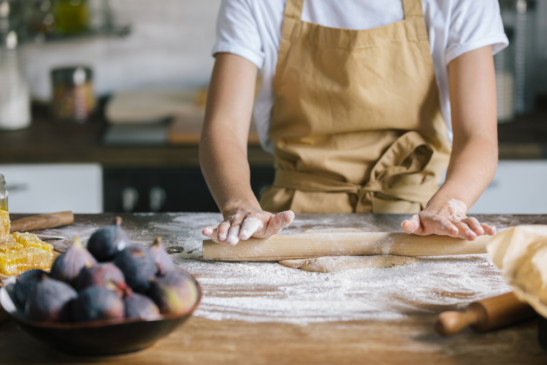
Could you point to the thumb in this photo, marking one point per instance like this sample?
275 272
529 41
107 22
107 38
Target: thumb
284 218
411 225
277 222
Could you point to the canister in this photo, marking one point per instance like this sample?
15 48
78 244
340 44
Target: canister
73 98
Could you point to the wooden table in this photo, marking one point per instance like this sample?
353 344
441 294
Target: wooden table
202 340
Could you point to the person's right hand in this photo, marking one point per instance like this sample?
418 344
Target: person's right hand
244 224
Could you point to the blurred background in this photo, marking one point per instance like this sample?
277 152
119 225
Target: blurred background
101 103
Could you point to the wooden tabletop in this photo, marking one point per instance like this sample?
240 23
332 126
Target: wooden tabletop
216 336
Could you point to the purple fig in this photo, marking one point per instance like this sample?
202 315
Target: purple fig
69 264
139 305
96 303
161 257
174 293
104 274
106 242
25 284
137 266
49 302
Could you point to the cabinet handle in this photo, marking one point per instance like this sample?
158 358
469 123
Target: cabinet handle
157 196
130 197
17 187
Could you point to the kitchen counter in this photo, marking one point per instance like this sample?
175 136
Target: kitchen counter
48 142
263 313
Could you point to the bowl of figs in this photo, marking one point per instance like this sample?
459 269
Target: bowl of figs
108 297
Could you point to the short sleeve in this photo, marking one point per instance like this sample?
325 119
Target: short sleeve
474 24
237 31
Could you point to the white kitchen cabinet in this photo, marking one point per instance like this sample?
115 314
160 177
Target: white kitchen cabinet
44 188
517 188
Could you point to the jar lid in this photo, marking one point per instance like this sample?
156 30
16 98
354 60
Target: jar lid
73 75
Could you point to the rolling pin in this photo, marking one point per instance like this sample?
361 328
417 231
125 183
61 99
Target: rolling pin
42 221
484 315
318 244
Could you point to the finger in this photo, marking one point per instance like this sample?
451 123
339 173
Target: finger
474 224
489 230
233 234
465 231
411 225
277 222
208 231
222 230
214 236
449 227
249 227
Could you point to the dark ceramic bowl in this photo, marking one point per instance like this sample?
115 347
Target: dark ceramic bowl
98 338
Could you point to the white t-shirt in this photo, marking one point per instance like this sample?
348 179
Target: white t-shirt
252 29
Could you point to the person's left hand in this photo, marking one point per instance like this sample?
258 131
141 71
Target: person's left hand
449 219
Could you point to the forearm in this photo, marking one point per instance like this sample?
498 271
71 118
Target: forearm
472 167
226 170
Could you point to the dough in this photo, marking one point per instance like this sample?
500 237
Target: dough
340 263
521 253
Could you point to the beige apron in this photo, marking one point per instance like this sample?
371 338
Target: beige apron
356 121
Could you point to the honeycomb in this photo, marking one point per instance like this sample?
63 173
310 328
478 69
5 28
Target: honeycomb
4 224
22 251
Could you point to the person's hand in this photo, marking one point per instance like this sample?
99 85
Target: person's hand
244 224
448 219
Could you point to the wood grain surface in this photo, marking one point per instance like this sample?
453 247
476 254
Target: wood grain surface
409 339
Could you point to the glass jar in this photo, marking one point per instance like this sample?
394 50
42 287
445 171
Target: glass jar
3 194
73 97
14 93
71 16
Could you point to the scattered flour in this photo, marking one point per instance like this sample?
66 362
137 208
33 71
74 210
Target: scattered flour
270 292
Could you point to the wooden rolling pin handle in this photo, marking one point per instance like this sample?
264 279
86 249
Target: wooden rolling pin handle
484 315
42 221
450 323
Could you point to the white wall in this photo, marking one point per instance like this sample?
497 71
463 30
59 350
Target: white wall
170 44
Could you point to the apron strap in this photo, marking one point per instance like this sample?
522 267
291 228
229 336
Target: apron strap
294 8
413 9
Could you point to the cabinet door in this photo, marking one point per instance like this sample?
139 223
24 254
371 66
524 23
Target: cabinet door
44 188
517 188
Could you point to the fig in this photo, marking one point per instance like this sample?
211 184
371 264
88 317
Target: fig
174 293
137 266
24 285
49 301
96 303
161 257
105 274
69 264
106 242
139 305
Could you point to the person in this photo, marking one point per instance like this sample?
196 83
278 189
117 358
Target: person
364 105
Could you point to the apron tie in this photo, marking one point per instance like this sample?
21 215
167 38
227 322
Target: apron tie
397 175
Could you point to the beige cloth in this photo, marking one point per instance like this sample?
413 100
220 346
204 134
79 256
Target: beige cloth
521 254
356 121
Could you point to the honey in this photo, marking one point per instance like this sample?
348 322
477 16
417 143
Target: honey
22 251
